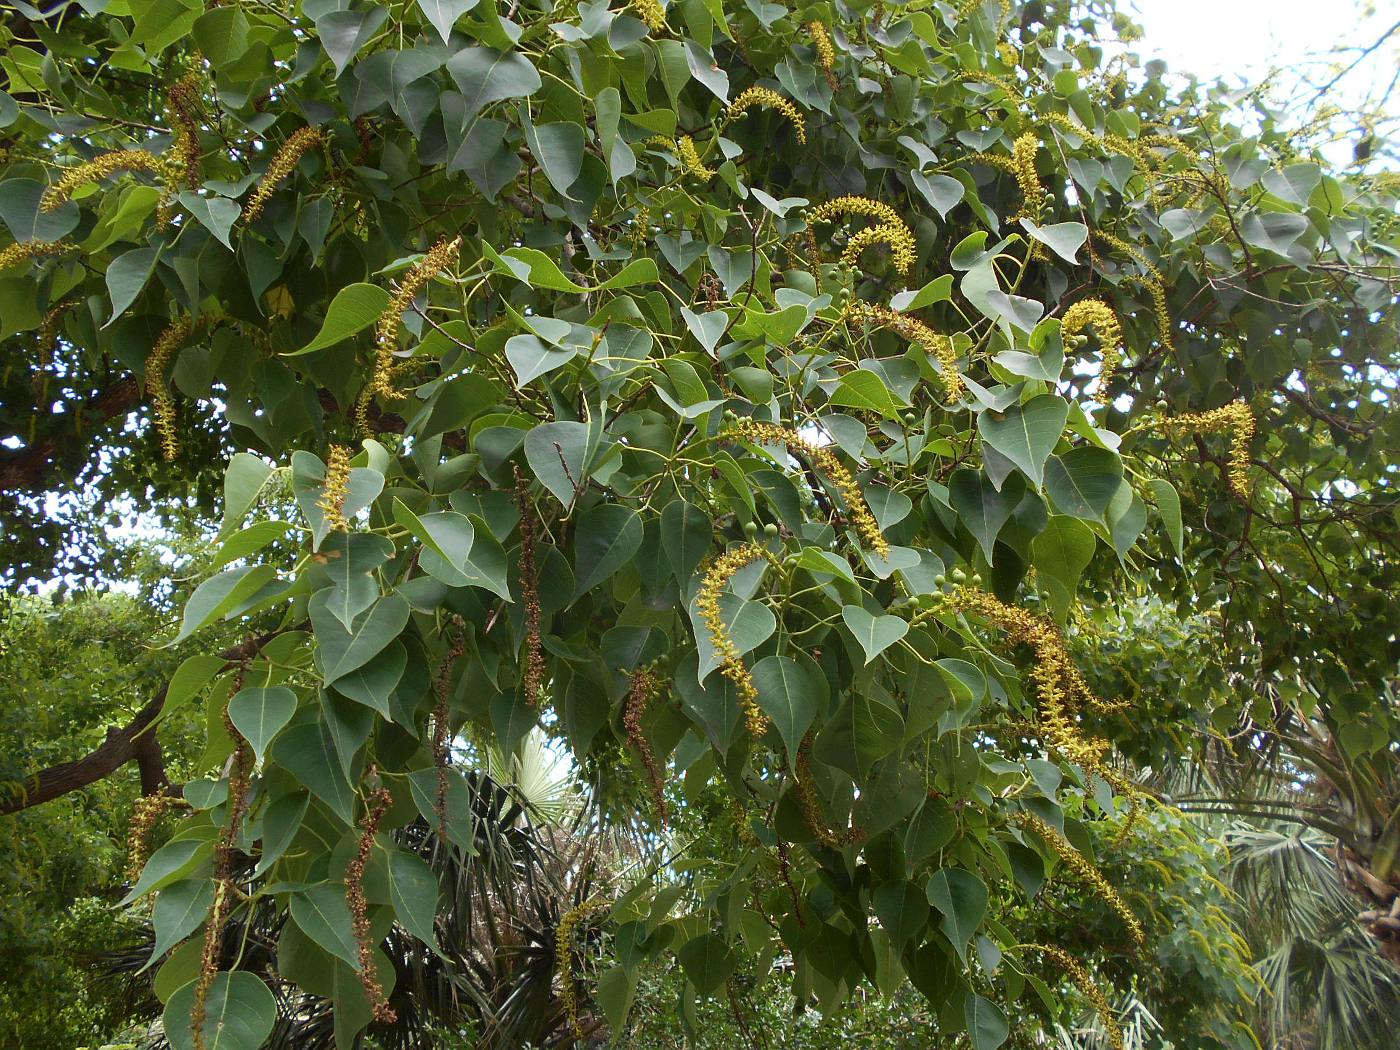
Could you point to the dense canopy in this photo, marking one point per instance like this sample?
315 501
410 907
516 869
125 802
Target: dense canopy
770 404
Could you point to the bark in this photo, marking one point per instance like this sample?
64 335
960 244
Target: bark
134 742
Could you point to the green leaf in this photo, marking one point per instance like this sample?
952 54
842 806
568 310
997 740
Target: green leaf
686 535
193 674
982 508
484 75
616 987
703 68
1169 507
308 752
986 1023
941 191
243 480
221 34
706 327
874 633
1083 481
708 961
607 537
961 897
747 624
215 214
558 146
938 290
413 890
443 14
127 275
322 914
340 651
1060 555
240 1011
790 695
863 389
261 713
902 910
175 860
248 541
447 539
179 910
1063 238
220 594
558 454
1026 434
354 308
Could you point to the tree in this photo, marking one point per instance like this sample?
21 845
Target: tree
762 394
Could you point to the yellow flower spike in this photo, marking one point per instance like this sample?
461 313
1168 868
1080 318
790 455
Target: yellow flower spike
157 361
336 488
915 331
1086 871
27 251
761 96
182 111
386 332
283 163
892 230
719 573
1236 418
97 169
1152 280
824 460
1059 687
564 962
826 53
902 251
651 12
810 804
1082 979
689 157
1096 314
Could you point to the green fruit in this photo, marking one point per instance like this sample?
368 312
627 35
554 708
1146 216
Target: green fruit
958 576
770 530
940 580
750 529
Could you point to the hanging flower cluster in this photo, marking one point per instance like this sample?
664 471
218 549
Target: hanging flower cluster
1237 419
1098 315
283 163
914 330
766 97
1085 870
163 404
712 585
336 488
892 230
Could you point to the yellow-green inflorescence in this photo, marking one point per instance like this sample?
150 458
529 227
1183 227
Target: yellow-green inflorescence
689 157
825 460
1237 419
889 229
651 12
336 488
915 331
564 962
769 99
826 53
1085 870
731 665
386 332
97 169
1098 315
1086 984
283 163
157 361
27 251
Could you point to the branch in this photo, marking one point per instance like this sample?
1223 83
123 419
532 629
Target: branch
134 742
1365 53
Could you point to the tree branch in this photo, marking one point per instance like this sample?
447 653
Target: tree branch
25 469
136 741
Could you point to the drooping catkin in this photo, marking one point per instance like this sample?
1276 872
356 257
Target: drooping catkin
915 331
182 104
532 682
386 333
1096 314
1086 984
564 963
1152 280
769 99
807 800
826 53
641 688
893 230
336 488
442 720
97 169
27 251
1237 419
162 403
240 771
375 807
144 816
283 163
1086 871
1021 166
731 665
825 460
